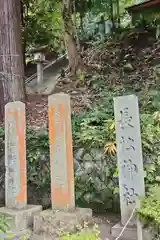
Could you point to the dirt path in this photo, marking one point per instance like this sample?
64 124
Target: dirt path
37 105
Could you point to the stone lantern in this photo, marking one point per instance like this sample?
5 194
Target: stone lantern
101 27
39 58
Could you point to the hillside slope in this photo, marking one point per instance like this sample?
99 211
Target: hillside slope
132 62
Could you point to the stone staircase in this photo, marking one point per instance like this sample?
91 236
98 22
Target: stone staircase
51 74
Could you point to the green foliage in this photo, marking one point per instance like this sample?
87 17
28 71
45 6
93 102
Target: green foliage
96 181
147 19
4 226
42 24
83 234
149 210
95 128
38 159
82 6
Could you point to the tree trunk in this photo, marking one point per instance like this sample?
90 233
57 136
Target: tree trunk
11 57
75 25
23 34
118 14
111 11
81 23
74 57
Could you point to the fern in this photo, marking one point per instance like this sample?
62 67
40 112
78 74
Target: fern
4 224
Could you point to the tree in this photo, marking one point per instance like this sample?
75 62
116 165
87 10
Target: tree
42 23
75 60
81 7
11 57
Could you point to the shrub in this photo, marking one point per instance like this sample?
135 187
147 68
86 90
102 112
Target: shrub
4 226
83 234
95 128
80 236
149 211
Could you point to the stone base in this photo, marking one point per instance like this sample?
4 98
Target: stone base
129 233
25 234
41 237
44 236
52 222
20 219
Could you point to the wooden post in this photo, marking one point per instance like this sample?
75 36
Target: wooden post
61 156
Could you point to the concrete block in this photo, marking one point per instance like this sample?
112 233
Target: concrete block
20 219
51 222
130 233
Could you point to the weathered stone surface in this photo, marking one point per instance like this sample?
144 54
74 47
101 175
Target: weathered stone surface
128 67
42 237
20 219
156 73
21 235
79 153
130 233
92 154
52 222
15 156
129 154
97 154
158 31
87 157
61 155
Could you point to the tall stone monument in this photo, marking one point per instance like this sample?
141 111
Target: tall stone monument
61 156
15 156
21 214
130 162
63 216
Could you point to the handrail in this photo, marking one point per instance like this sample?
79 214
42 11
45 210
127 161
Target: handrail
50 64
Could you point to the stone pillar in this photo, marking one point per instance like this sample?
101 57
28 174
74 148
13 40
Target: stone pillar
61 156
15 156
64 216
20 214
39 74
129 156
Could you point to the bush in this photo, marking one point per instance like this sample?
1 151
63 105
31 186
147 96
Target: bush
95 128
149 211
38 159
4 226
83 234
